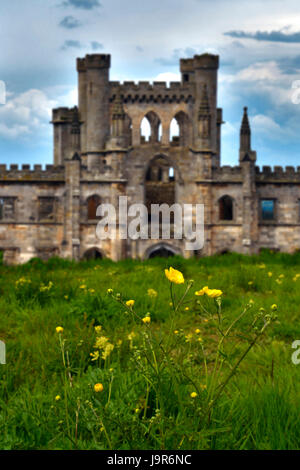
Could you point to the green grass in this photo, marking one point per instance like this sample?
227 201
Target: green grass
145 405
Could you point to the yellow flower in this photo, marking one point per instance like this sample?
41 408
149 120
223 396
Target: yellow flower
66 297
250 283
202 291
109 291
59 329
107 350
187 308
57 398
274 307
203 387
131 336
281 275
98 388
188 338
98 328
92 291
270 274
146 319
152 293
213 293
83 286
174 276
194 395
176 332
95 355
101 342
197 331
130 303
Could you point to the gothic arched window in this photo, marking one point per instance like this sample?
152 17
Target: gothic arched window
179 129
226 208
151 128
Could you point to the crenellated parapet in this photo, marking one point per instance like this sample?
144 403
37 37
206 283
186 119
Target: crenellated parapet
93 61
25 173
277 175
64 115
156 92
228 173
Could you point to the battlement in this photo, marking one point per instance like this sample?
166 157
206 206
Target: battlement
93 61
157 92
146 85
63 114
289 173
264 174
203 61
26 173
227 172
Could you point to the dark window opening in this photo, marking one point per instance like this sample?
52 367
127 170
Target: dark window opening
7 208
267 209
186 77
226 208
93 203
46 209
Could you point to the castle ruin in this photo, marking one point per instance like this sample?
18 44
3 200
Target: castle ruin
100 153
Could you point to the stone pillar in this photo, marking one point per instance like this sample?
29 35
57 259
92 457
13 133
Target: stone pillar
82 102
250 209
71 244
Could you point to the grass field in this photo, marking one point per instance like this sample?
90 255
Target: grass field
194 373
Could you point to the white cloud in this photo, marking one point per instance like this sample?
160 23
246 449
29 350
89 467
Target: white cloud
262 124
26 114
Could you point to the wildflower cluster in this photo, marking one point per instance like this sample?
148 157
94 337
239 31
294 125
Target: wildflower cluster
212 293
22 281
46 288
102 345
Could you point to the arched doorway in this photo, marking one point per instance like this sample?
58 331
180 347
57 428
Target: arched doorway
162 250
93 254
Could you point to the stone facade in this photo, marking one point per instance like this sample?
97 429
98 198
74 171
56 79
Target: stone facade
101 154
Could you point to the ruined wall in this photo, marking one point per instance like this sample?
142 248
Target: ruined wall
99 152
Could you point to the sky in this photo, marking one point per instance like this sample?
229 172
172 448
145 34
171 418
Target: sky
258 43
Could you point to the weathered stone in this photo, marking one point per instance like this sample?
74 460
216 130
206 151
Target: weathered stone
100 154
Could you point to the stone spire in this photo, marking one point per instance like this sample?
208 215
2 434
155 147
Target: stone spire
246 154
245 133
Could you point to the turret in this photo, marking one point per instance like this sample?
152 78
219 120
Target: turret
94 89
